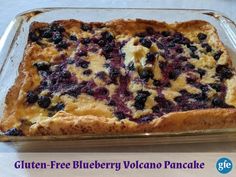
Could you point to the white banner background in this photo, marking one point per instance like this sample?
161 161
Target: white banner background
7 161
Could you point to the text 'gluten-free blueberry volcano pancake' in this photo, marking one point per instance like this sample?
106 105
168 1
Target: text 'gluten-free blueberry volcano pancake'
122 76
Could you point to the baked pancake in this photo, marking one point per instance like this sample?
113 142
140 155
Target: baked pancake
121 76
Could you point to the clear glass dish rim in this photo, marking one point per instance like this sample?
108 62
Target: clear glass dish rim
217 15
162 135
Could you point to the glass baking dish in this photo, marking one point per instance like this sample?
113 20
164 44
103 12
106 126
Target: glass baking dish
14 40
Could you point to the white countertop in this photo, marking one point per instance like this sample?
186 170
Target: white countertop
10 8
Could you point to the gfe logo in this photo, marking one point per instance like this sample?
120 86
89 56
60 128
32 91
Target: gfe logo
224 165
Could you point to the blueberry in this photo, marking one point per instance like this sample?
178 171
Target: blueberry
120 115
200 97
202 72
145 119
44 101
160 45
179 50
191 80
189 66
174 74
156 109
86 27
87 72
114 73
58 28
178 99
31 97
127 93
65 74
57 37
139 105
207 47
42 66
90 91
216 86
182 58
54 27
13 132
94 40
185 41
107 36
193 55
217 55
192 48
166 84
101 43
106 65
156 82
204 88
74 91
142 94
184 92
171 45
162 65
101 75
165 33
44 73
47 34
107 48
33 37
83 64
61 29
145 42
111 103
70 61
44 83
58 107
177 38
150 57
224 72
81 53
73 38
131 66
102 91
85 41
162 102
201 36
146 74
140 99
217 102
62 45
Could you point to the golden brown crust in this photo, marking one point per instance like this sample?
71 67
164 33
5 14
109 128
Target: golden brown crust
64 123
198 120
12 95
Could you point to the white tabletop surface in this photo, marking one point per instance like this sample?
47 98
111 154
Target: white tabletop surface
10 8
